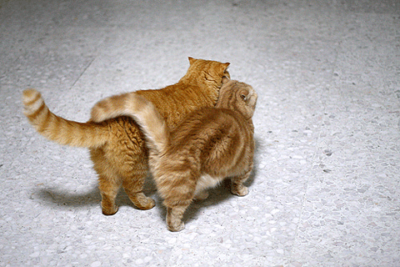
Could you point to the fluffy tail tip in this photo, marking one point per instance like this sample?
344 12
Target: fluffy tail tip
30 95
30 99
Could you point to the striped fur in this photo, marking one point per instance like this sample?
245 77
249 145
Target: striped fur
210 145
116 143
60 130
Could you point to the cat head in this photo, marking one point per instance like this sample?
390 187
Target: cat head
209 72
238 96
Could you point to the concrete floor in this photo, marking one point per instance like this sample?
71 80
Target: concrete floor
325 190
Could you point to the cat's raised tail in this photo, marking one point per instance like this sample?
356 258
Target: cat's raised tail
58 129
142 111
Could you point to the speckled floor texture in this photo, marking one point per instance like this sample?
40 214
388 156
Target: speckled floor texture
325 189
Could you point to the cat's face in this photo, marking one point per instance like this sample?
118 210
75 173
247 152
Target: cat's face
238 96
211 71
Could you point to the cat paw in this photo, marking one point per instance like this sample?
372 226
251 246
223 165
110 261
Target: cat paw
141 201
109 210
176 228
146 204
242 191
201 196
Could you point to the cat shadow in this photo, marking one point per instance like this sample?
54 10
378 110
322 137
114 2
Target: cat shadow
59 198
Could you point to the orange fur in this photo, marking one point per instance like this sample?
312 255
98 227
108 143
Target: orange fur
208 146
117 145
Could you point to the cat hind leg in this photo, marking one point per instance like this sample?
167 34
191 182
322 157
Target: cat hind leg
176 203
109 189
178 190
109 181
134 177
133 187
174 217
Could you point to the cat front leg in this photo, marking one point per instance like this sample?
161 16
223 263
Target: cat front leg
237 187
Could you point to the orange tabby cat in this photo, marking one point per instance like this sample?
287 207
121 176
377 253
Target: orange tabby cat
208 146
117 146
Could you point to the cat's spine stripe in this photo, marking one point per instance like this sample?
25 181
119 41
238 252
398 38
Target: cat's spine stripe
58 129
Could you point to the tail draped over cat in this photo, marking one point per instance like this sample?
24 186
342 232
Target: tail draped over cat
60 130
146 116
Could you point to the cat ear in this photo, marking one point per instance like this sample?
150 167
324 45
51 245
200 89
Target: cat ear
244 94
225 66
192 60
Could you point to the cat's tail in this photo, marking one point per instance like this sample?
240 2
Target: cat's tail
142 111
58 129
